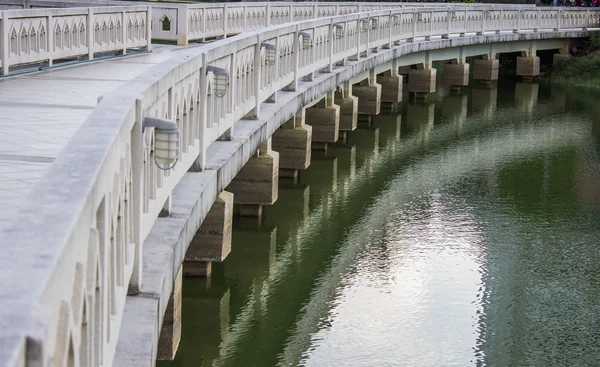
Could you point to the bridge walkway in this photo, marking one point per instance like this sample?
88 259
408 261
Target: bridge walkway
40 112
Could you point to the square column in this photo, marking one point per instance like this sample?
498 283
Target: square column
422 81
456 75
293 142
348 107
528 67
391 88
324 117
369 98
486 70
212 241
170 332
256 184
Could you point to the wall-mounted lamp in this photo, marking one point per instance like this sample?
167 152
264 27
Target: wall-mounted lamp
166 141
306 38
339 30
220 79
374 22
419 17
453 15
271 52
364 23
395 18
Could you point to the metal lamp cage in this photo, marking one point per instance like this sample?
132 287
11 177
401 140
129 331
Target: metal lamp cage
166 141
306 40
339 30
220 79
271 53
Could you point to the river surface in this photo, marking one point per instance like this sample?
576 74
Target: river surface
460 232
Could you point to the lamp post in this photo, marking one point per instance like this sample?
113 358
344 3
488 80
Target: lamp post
339 30
166 141
374 22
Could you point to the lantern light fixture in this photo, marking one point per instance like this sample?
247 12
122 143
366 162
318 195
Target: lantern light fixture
271 52
420 17
306 40
364 24
339 30
374 22
166 141
220 79
395 18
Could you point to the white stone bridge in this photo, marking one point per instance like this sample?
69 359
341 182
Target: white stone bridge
96 234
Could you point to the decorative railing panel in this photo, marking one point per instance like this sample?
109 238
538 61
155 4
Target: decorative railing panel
45 35
80 264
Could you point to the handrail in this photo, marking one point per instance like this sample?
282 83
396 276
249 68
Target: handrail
75 248
44 35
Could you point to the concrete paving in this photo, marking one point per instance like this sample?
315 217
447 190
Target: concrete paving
40 111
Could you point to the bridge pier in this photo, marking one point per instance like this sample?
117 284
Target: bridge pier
369 95
212 241
324 117
293 142
456 74
170 332
348 108
486 71
528 66
391 87
256 183
421 80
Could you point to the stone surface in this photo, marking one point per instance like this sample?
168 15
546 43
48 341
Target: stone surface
293 145
348 111
528 66
212 241
486 70
369 98
256 182
170 333
422 80
391 88
325 122
456 74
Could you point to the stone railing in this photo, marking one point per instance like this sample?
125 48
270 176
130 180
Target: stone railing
188 22
44 35
74 250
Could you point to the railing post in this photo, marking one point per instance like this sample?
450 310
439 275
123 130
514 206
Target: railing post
148 28
257 74
330 37
123 32
415 16
519 21
538 20
315 10
182 25
268 15
224 20
90 33
358 36
559 19
449 16
137 161
291 13
204 23
501 22
50 40
245 18
4 45
587 20
483 15
202 132
296 47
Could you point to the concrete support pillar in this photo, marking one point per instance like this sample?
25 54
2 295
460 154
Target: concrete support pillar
486 71
170 332
293 141
369 97
324 117
256 183
528 67
391 88
456 75
212 241
421 81
348 108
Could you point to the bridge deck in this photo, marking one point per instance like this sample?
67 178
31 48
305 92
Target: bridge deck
39 112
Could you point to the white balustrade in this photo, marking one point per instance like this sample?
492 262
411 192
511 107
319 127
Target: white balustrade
45 35
97 212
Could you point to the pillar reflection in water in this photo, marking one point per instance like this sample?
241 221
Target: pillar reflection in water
484 101
526 96
454 109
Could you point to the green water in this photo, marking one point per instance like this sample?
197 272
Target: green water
464 232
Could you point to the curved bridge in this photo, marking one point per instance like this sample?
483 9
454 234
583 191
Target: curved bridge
92 263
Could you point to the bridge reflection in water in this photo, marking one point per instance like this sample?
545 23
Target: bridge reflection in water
452 232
